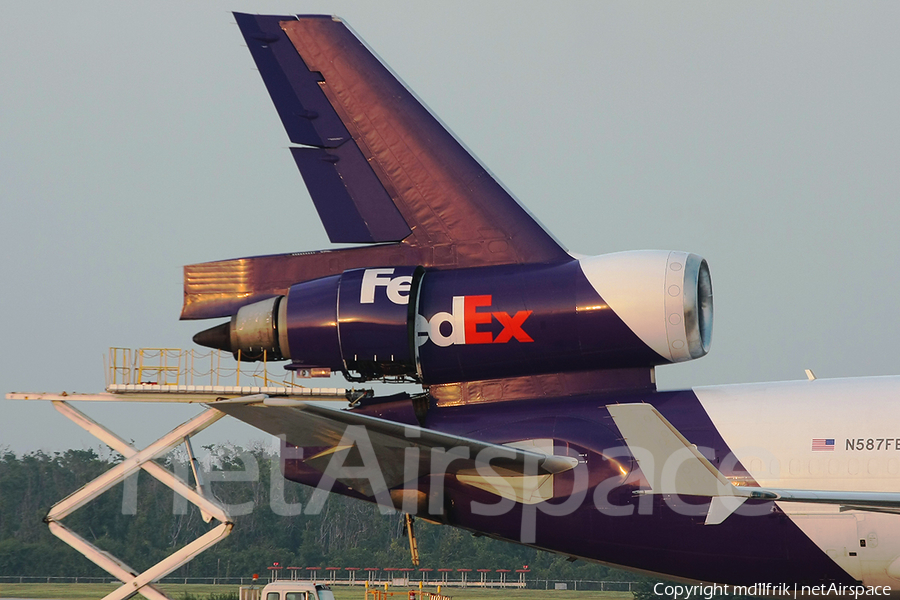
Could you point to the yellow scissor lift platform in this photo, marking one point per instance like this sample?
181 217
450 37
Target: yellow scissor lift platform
169 375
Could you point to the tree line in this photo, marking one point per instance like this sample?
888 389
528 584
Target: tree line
142 521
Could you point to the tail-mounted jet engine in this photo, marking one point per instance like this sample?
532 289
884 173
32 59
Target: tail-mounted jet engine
629 309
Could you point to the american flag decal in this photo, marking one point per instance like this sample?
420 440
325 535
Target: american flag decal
823 445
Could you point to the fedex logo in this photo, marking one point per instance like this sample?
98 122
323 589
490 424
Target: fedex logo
460 326
466 323
396 288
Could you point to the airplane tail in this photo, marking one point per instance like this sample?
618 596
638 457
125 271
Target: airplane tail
380 169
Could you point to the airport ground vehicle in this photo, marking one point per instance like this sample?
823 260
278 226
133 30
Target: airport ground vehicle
288 590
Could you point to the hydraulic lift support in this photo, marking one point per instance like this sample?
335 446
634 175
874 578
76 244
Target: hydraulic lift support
134 582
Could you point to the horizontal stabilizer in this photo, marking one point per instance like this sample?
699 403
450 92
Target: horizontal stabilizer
670 462
383 448
673 465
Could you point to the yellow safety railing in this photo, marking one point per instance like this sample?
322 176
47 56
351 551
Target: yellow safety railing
377 594
119 366
159 366
174 366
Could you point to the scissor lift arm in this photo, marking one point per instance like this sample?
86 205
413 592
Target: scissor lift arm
134 582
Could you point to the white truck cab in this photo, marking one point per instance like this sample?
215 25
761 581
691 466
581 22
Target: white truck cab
296 590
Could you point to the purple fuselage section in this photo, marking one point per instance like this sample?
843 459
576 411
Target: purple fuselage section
594 515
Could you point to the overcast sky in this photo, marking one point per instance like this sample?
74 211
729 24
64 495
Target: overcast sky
764 136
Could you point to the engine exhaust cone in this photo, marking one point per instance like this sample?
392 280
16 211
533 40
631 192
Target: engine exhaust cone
218 337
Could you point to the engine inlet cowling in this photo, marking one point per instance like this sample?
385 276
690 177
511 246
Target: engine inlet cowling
665 298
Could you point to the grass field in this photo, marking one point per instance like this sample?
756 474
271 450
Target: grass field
94 591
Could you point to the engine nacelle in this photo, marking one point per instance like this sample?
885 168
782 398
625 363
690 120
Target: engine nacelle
631 284
629 309
356 322
333 322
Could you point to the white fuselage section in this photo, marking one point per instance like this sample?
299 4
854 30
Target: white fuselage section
839 434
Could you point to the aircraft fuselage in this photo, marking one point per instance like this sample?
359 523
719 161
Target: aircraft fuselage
759 434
